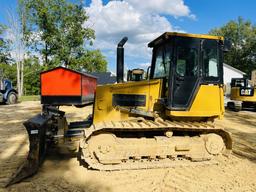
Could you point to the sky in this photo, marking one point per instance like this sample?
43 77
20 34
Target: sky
143 20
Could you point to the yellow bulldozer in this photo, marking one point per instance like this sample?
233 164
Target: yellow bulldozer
163 120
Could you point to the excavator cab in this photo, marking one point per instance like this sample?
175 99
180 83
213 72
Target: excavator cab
135 75
185 62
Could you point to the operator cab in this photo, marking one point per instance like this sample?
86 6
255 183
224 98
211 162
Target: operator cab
240 82
243 86
184 62
5 85
135 75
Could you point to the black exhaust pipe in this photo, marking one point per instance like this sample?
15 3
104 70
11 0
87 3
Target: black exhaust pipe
120 60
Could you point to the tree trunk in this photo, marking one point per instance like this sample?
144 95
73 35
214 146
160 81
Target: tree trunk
23 29
21 76
18 78
46 54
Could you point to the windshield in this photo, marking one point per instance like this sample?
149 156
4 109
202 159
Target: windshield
238 83
188 58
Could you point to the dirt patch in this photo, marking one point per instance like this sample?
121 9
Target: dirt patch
13 137
64 173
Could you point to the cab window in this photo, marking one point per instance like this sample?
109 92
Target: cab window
187 61
159 64
162 62
210 59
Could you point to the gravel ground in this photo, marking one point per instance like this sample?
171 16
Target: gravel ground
63 173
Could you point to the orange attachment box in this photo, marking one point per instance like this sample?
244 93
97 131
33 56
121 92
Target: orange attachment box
63 86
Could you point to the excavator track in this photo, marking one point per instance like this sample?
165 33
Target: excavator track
146 144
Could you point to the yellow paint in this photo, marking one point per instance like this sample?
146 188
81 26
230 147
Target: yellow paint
195 35
103 109
235 95
209 102
168 34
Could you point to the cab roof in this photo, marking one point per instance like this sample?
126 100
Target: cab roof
168 35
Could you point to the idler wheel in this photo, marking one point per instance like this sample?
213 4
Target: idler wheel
214 144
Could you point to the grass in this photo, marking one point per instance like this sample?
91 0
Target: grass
30 98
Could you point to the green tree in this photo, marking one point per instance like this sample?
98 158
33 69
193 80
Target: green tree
4 47
90 60
242 34
32 71
55 29
7 70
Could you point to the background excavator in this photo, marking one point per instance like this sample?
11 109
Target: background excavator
161 121
243 93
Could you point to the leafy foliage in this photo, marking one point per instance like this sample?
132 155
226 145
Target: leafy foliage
8 71
242 34
4 47
55 29
32 71
91 60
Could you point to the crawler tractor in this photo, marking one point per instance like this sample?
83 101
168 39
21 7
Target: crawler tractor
161 121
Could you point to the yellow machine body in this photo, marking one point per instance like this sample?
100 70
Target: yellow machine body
104 109
242 95
235 95
209 101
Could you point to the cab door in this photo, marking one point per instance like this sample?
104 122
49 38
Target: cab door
185 73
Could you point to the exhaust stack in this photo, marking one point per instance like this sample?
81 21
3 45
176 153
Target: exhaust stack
120 60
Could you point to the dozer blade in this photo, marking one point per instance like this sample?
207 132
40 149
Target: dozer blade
36 128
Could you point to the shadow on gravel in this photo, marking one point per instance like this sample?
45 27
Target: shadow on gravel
13 137
54 184
60 173
244 142
14 148
242 118
244 145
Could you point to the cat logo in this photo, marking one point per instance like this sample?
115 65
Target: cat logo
246 92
